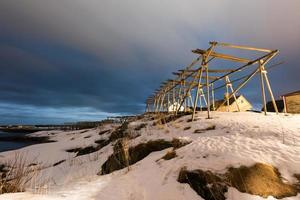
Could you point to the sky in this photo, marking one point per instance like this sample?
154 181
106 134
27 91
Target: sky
75 60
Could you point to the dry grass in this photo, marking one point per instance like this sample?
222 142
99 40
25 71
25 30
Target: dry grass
170 155
16 174
124 156
260 179
176 125
209 128
160 126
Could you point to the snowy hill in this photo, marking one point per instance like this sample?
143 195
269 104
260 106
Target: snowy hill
93 163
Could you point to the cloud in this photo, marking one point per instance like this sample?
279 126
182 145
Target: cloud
110 55
46 115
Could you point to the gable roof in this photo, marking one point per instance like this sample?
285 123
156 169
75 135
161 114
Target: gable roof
231 101
291 93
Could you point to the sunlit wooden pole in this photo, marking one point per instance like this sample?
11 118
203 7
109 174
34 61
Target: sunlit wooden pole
168 103
262 87
234 96
269 89
199 75
227 95
213 96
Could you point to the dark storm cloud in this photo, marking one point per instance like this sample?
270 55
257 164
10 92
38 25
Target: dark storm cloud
108 55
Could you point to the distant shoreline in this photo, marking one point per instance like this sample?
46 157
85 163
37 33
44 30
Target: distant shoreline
25 138
20 130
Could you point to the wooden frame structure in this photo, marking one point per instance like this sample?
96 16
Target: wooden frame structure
186 90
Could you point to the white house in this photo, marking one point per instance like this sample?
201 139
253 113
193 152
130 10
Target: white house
173 107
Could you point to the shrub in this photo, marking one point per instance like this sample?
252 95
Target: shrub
15 174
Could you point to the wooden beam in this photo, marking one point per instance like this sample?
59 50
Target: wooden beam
268 57
210 77
220 70
241 47
222 56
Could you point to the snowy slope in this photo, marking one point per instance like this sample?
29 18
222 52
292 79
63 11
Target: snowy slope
238 139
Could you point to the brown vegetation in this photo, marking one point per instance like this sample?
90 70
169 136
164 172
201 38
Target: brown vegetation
209 128
15 174
170 155
259 179
124 156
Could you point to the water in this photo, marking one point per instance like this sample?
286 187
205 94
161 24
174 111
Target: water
10 145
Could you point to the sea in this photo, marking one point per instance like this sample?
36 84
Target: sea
11 145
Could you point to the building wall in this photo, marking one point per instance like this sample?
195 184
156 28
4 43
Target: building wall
174 107
244 105
293 103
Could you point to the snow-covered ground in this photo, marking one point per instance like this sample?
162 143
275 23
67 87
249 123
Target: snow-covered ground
238 139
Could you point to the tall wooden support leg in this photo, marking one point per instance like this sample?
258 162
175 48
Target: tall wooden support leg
234 96
284 104
203 96
157 104
199 75
162 103
200 101
186 94
262 87
213 97
269 89
227 95
246 80
191 100
173 99
184 100
168 103
179 99
207 92
208 52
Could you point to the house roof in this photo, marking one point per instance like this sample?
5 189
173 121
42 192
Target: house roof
231 101
291 93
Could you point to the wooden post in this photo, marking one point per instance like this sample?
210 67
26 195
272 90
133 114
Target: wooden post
269 89
209 51
203 96
242 84
180 97
191 99
213 96
162 103
200 99
262 87
173 102
227 95
184 91
168 103
207 91
234 96
157 104
284 105
199 75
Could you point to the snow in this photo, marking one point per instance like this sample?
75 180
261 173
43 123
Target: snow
239 139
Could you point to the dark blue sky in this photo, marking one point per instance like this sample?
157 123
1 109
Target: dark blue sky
77 60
